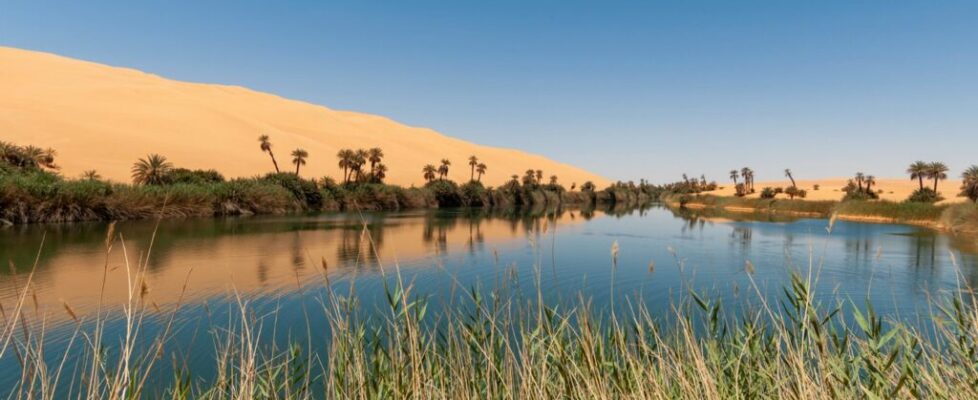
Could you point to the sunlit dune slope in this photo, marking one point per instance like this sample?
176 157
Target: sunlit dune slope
104 118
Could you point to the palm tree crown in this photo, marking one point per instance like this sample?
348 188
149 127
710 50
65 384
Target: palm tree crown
918 170
481 169
266 147
429 172
969 184
152 170
299 159
938 172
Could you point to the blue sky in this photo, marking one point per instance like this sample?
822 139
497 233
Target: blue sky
626 89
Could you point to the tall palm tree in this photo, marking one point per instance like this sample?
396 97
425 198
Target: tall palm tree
553 179
374 155
266 146
787 172
152 170
299 158
918 170
734 175
443 169
938 172
539 176
346 157
969 184
473 162
748 175
429 172
481 169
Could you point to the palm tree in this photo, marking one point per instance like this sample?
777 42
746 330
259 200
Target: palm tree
787 172
859 180
346 157
734 175
266 147
938 172
553 180
918 170
539 176
748 175
429 172
969 184
473 162
359 160
380 172
152 170
443 169
870 181
299 159
91 175
374 155
481 169
529 178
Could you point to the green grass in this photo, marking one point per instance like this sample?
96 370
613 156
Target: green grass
508 344
903 211
822 208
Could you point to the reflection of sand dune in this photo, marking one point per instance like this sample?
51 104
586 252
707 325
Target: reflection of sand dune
265 262
104 117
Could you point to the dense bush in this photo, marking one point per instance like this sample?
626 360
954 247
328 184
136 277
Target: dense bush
767 193
446 193
925 195
194 177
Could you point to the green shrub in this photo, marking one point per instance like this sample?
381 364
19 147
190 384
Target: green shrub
446 193
925 195
194 177
767 193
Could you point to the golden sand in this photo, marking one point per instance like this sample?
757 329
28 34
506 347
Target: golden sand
104 118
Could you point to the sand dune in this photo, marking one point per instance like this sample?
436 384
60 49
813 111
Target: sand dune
104 118
894 189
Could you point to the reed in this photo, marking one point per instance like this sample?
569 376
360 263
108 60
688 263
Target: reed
506 343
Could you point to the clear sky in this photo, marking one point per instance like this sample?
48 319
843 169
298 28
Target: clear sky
625 89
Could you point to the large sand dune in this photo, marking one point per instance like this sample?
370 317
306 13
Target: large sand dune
104 118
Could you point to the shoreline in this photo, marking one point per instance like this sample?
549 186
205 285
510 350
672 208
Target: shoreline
955 219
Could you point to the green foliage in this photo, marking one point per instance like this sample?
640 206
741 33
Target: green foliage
193 177
473 194
445 192
767 193
925 195
305 191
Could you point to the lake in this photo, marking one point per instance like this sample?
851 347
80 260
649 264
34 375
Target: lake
197 271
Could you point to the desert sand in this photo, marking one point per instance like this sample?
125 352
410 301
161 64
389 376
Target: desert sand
104 118
894 189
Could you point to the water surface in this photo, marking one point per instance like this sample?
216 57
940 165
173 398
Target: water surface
280 265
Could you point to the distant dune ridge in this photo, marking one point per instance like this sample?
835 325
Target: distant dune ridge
104 118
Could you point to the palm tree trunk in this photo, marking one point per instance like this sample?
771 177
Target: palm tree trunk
472 174
920 178
935 184
275 163
297 169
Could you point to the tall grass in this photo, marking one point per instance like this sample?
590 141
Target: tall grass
506 343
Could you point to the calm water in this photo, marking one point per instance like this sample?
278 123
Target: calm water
284 263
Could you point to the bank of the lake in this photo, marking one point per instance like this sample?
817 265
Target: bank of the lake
42 197
960 218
